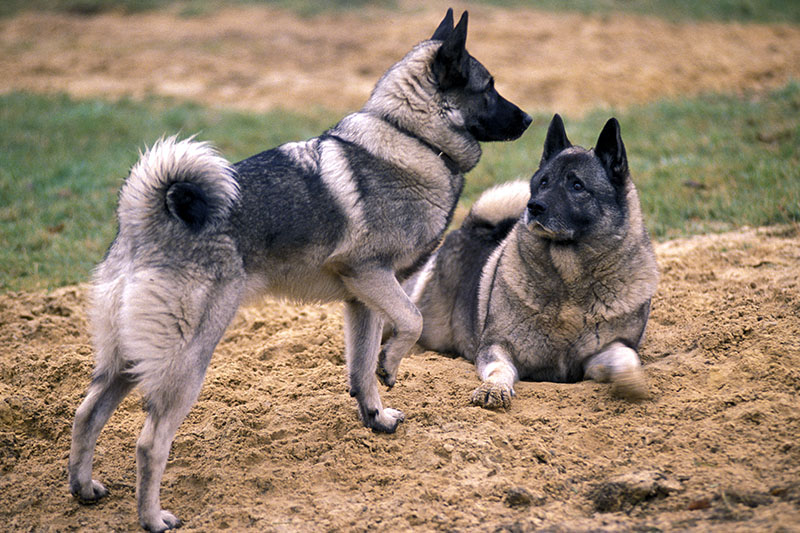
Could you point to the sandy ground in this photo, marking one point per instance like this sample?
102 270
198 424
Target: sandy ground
274 443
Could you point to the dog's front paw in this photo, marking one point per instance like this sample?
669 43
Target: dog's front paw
387 376
492 395
384 420
90 494
163 521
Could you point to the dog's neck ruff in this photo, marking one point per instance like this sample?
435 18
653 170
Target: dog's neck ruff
449 162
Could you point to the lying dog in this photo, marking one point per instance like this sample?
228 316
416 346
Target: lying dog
549 280
342 216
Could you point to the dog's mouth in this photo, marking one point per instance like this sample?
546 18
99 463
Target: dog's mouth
556 235
501 128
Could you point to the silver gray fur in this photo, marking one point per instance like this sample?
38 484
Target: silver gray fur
344 216
549 280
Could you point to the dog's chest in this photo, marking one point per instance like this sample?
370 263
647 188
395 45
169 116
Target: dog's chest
553 313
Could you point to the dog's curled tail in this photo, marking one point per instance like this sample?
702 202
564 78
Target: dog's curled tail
498 208
177 181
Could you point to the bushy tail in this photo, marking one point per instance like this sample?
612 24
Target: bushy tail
177 182
498 209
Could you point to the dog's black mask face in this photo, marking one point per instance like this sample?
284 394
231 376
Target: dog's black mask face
468 88
578 193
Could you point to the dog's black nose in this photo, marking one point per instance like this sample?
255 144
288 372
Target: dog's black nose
526 120
536 207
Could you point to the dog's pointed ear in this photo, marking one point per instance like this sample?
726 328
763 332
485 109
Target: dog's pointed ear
556 140
451 65
445 27
611 151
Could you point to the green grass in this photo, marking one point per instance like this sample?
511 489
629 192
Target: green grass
678 10
711 163
706 164
715 163
62 162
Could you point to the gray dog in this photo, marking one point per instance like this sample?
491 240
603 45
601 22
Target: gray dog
344 216
549 280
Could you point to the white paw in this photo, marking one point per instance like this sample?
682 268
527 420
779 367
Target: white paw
164 521
91 493
630 384
385 420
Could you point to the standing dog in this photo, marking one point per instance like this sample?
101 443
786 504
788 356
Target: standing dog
343 216
547 281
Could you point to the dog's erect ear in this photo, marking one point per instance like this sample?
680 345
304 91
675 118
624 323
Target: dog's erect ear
445 27
556 140
611 152
451 66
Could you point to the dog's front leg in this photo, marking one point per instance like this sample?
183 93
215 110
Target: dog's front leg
362 339
497 372
380 290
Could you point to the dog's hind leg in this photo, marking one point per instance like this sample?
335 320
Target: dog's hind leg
105 393
621 366
171 386
380 290
166 411
362 330
110 384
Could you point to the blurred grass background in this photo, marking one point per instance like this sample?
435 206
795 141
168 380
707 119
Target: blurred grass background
711 163
676 10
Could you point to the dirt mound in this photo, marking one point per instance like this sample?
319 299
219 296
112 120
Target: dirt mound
256 58
274 443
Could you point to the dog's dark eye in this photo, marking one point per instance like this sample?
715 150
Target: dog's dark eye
542 182
577 186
